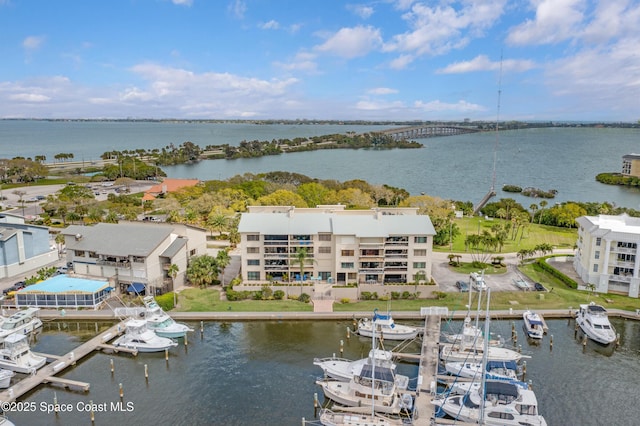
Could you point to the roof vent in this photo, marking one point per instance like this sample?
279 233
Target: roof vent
78 237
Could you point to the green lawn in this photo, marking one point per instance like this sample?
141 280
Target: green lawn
534 235
208 300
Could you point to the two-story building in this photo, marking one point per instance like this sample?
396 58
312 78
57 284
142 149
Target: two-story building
23 247
334 245
134 254
608 253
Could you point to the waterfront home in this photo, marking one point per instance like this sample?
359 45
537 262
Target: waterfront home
608 253
135 256
339 246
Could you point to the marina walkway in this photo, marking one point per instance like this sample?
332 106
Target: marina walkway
47 373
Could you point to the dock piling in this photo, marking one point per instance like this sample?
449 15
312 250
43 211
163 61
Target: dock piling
121 390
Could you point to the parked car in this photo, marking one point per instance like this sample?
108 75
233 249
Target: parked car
17 286
539 287
462 286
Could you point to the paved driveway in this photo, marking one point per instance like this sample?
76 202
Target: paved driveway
446 277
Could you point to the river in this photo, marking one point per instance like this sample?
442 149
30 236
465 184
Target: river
262 373
454 167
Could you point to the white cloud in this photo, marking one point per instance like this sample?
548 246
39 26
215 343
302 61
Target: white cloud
303 61
271 25
555 21
32 42
442 28
483 63
438 106
361 10
401 62
237 8
352 42
382 91
29 97
182 2
612 18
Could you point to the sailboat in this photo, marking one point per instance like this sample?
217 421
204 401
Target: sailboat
491 402
372 384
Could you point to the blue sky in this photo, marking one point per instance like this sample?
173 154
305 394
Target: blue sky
321 59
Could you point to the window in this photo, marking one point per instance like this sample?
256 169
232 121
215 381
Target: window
595 268
253 237
419 265
420 240
420 252
598 241
347 252
253 276
597 254
324 237
192 252
347 265
324 276
324 250
253 262
253 250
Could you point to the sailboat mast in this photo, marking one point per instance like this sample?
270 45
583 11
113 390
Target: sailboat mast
495 148
484 362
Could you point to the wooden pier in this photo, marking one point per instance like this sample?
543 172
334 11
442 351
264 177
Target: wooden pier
47 374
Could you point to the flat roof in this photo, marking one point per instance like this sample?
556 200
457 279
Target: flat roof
65 284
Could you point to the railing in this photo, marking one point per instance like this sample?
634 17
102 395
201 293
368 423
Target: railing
620 278
115 264
616 249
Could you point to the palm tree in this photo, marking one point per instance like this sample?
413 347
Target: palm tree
202 270
543 204
217 221
172 271
533 208
223 259
301 258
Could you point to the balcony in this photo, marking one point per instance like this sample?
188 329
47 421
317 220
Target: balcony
626 250
124 264
621 278
371 271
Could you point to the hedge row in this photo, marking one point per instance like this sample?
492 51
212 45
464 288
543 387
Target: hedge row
542 262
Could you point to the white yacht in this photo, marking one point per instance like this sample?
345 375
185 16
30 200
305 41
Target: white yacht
503 404
138 336
17 356
23 322
343 369
385 327
160 322
471 349
533 325
372 387
494 370
594 322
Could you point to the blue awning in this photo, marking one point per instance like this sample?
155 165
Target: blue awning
136 287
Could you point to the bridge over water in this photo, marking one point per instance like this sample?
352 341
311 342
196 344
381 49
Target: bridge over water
429 131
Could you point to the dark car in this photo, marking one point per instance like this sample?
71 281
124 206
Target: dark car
539 287
17 286
463 286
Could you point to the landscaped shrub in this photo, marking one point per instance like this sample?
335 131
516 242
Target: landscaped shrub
395 295
542 262
406 295
439 295
345 300
278 294
367 295
165 301
304 298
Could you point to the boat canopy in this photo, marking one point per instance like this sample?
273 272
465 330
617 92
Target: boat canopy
534 321
510 365
501 388
380 373
596 309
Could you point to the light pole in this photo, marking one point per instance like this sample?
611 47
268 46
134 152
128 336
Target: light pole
450 233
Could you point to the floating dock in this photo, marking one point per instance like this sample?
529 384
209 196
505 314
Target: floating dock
47 374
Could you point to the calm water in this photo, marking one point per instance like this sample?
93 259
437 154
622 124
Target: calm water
457 167
262 373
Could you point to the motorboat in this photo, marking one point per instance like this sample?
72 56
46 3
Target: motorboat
343 369
533 324
335 418
160 322
5 378
494 370
23 322
372 387
473 351
594 322
385 327
502 403
137 336
17 356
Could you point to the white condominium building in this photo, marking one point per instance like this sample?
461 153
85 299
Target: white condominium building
334 245
608 254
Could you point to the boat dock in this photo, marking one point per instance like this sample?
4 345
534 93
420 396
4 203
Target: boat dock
428 369
47 374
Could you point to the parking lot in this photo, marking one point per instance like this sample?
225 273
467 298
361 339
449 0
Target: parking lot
446 277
